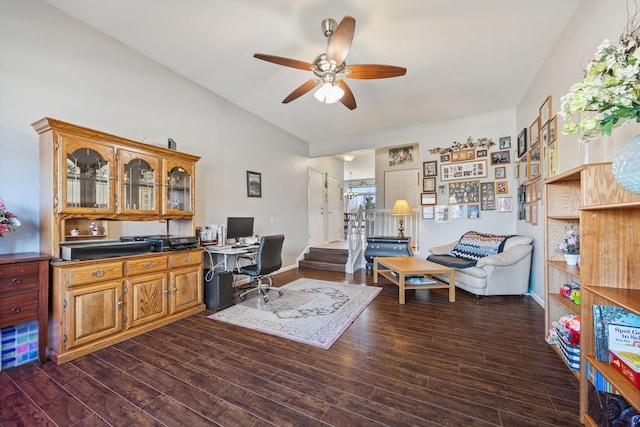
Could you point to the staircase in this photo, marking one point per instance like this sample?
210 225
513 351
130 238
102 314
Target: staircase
325 258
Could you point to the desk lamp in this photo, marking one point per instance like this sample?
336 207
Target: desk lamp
401 208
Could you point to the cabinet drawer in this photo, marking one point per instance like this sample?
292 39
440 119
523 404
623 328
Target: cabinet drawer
18 278
18 309
147 265
97 272
185 259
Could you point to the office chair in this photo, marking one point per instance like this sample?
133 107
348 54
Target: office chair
268 260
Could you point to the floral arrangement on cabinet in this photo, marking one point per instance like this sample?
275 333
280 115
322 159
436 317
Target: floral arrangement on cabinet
8 220
571 243
609 94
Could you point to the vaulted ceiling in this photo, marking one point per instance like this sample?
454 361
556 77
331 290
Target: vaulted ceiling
463 57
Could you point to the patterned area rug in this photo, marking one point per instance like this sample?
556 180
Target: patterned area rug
310 311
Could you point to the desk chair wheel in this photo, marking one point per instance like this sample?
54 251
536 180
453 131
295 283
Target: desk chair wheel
265 299
279 292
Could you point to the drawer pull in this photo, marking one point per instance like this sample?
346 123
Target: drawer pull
16 309
149 265
17 280
187 259
98 273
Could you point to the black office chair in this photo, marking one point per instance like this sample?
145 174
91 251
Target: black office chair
268 260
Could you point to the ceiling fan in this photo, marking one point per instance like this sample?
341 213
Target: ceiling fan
329 68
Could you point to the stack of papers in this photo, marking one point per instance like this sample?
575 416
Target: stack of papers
419 280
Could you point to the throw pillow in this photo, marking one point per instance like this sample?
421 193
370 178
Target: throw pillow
474 245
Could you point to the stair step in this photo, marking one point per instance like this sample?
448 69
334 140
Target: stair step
326 257
318 265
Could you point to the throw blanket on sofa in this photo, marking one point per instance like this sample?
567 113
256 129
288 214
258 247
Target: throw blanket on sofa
474 245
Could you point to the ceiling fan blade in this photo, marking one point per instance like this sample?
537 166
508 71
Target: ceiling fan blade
301 90
287 62
348 100
373 71
340 41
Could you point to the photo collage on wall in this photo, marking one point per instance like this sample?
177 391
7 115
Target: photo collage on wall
537 161
458 189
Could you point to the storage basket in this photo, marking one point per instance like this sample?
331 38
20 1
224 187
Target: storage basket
570 353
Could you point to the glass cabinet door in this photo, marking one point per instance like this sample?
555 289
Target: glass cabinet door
179 191
139 175
86 178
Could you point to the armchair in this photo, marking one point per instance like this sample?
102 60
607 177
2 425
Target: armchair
268 260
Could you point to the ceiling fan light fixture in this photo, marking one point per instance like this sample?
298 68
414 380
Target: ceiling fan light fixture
329 93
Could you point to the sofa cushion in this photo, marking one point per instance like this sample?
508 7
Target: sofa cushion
474 245
452 261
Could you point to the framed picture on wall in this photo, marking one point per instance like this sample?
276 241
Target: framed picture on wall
545 110
445 158
428 184
464 192
473 211
430 168
442 213
504 143
534 132
500 172
428 198
505 204
457 211
428 212
254 184
500 157
462 170
487 196
502 187
522 142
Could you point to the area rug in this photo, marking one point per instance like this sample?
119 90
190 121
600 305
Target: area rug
314 312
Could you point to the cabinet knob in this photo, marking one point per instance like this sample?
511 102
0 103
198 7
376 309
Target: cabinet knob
98 273
16 309
16 280
149 265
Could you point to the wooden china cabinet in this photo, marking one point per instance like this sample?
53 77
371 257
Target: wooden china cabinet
91 180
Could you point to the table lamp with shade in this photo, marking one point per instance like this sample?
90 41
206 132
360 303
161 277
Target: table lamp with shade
401 208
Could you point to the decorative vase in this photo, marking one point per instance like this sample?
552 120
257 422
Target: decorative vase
599 150
626 165
571 259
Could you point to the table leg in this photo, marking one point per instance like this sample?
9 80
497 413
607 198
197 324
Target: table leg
375 270
452 286
401 287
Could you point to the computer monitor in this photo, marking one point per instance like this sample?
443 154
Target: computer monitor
239 228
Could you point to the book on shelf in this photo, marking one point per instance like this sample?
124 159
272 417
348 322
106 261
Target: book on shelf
624 351
598 380
603 316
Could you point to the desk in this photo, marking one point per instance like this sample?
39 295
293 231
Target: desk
230 251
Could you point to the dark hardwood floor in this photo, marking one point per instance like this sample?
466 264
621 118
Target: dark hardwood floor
475 362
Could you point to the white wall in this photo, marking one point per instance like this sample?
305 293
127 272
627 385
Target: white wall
593 21
52 65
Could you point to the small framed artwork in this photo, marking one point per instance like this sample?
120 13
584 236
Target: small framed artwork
500 172
457 211
443 191
464 192
487 196
545 110
400 155
534 132
504 143
430 168
500 157
502 187
553 128
428 184
463 155
505 204
473 211
524 170
462 170
428 198
522 142
544 134
534 163
534 213
428 212
552 160
481 153
442 213
254 184
445 158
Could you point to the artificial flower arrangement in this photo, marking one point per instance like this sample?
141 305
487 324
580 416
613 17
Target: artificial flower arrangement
456 146
609 94
571 243
8 220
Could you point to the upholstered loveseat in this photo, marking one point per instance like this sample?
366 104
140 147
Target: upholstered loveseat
487 264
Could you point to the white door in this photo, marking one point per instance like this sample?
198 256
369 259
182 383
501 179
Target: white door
335 209
403 184
315 208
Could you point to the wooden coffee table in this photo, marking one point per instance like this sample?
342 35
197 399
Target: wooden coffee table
407 266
